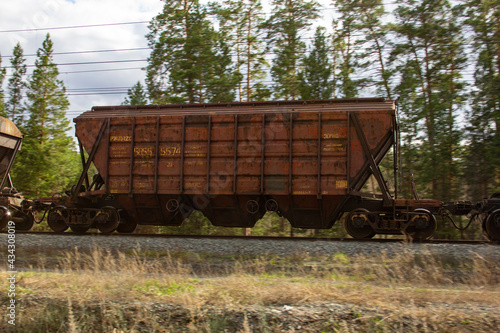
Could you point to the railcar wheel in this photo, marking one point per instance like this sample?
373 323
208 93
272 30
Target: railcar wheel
107 220
27 223
356 224
79 228
127 227
57 220
4 217
423 226
3 223
492 225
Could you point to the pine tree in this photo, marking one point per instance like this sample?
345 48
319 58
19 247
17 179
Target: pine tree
48 162
220 83
168 33
14 108
290 19
344 58
359 38
241 25
483 131
2 77
186 56
315 76
373 42
430 59
136 95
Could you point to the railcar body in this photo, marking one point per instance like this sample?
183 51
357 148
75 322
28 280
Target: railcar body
307 160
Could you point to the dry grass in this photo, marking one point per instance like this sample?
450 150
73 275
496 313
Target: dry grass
140 291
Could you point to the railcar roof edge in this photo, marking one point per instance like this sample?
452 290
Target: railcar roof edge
7 127
345 104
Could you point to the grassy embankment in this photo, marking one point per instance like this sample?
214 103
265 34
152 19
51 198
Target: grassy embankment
140 291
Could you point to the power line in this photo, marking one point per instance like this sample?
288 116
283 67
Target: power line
466 43
122 90
96 88
96 70
83 52
73 27
145 22
97 93
103 70
89 63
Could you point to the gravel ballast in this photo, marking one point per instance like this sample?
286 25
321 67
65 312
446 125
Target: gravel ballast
242 246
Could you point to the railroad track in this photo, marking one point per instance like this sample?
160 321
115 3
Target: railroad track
274 238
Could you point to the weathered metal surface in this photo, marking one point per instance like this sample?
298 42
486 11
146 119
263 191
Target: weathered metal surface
10 200
221 158
10 143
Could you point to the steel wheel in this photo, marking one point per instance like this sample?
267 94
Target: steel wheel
57 220
27 224
492 225
423 225
107 220
356 224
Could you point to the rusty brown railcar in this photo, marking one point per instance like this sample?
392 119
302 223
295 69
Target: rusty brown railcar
11 201
306 160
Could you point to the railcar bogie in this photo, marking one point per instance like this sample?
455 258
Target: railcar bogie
358 224
106 219
419 224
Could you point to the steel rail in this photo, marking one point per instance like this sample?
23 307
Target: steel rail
281 238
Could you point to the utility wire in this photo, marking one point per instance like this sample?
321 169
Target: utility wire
103 70
145 22
73 27
88 63
83 52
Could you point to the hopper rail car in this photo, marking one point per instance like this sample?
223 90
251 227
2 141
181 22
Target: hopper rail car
308 161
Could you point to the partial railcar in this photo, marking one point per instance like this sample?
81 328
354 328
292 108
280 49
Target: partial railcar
11 202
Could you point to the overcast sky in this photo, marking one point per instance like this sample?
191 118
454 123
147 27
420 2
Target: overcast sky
91 30
20 19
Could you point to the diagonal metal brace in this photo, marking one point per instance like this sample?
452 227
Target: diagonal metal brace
86 167
373 165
